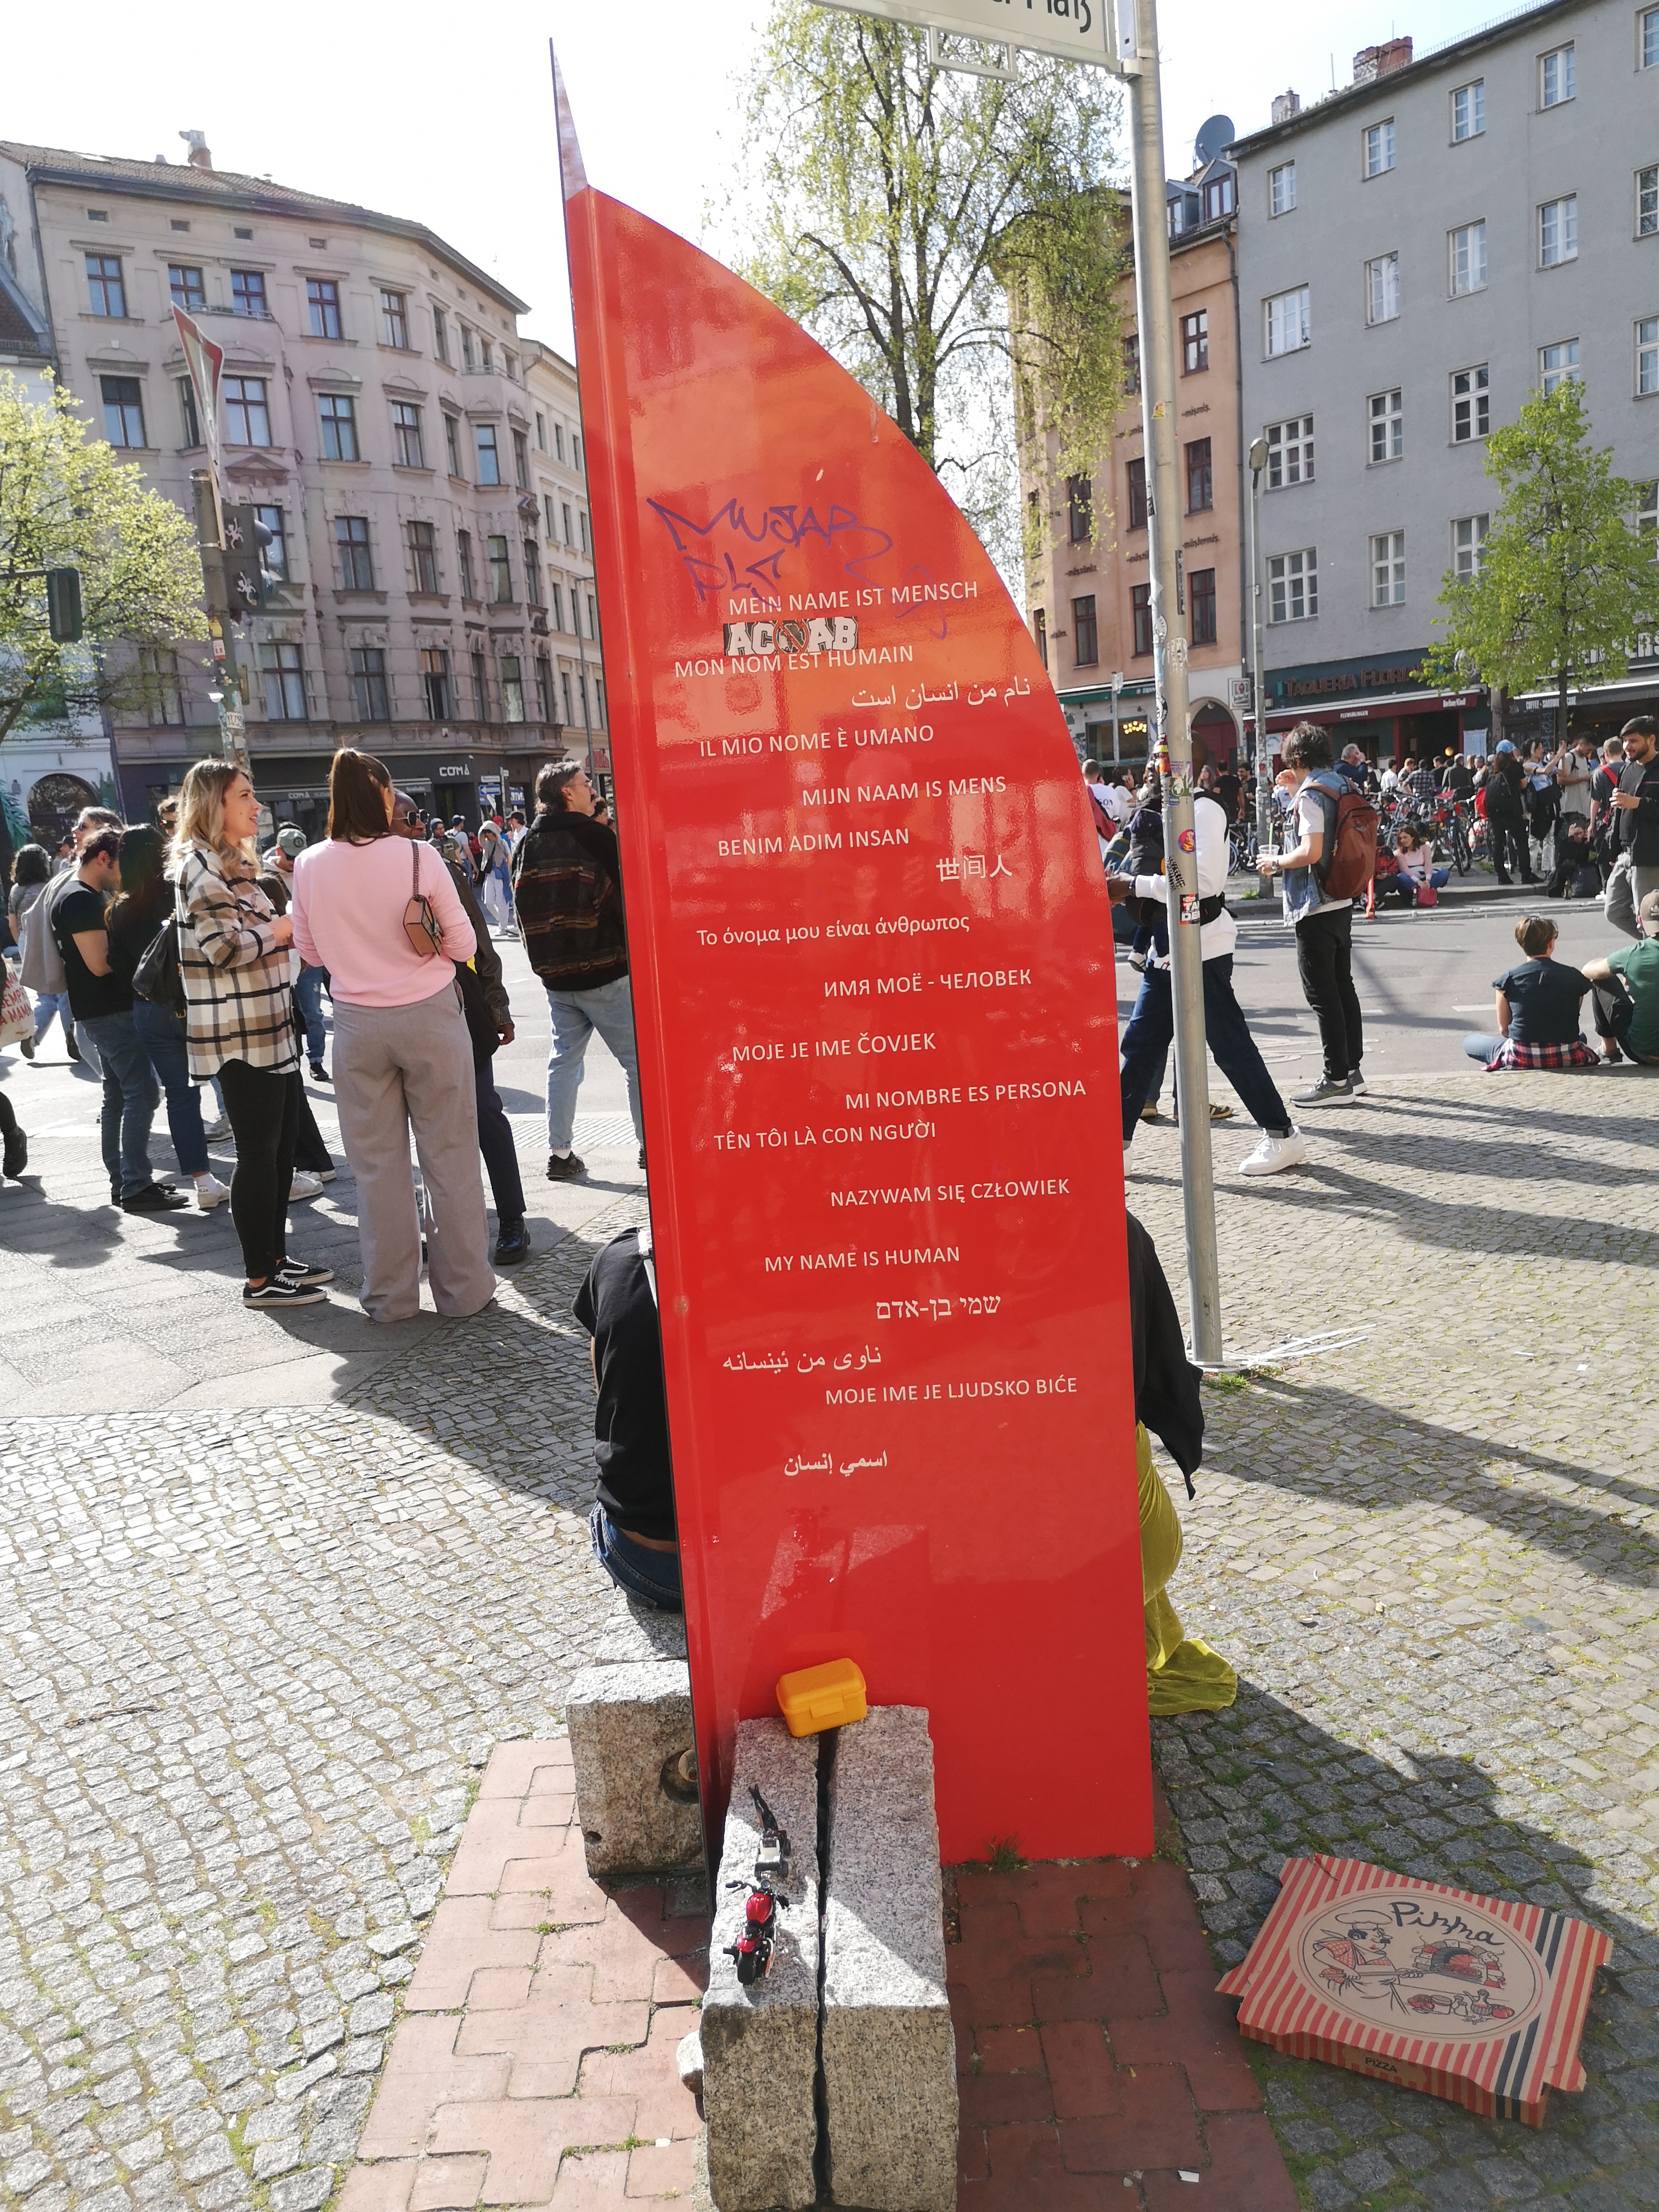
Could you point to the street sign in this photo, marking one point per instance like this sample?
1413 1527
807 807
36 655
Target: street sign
1101 32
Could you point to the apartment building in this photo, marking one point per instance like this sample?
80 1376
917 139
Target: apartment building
415 458
1090 601
1417 252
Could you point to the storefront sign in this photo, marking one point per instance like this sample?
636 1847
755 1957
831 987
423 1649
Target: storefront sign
454 773
872 967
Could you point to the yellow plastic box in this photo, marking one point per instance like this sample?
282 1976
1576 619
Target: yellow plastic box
820 1697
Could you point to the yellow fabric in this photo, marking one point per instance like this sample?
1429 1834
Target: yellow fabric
1183 1675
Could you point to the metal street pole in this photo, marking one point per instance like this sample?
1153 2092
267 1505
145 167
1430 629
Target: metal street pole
1264 782
233 730
587 725
1174 754
1117 685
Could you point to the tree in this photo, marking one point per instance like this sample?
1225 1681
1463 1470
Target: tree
66 502
1566 581
936 230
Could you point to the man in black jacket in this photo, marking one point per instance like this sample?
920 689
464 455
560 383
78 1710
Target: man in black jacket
567 893
1506 824
1635 805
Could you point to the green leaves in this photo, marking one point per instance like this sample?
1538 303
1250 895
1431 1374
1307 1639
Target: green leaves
66 502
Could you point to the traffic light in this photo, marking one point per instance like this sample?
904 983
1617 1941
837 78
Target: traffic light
64 604
242 564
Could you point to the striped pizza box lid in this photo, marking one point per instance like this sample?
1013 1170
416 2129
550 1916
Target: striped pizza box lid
1469 1989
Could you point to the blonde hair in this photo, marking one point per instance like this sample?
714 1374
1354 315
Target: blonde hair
201 811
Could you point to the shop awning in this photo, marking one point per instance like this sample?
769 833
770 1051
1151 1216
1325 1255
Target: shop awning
1382 708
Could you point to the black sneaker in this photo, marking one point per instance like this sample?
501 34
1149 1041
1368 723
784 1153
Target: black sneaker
1325 1092
26 1046
512 1244
17 1157
280 1292
154 1199
565 1168
71 1047
303 1273
319 1073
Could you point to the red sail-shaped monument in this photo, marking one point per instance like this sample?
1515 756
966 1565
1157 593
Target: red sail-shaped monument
873 985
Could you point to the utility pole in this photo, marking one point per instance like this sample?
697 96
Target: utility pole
581 656
1173 749
233 729
1264 782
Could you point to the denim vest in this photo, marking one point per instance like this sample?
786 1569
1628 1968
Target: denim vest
1304 894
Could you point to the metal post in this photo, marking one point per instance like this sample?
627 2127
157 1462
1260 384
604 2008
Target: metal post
233 730
1264 782
587 724
1157 325
1117 685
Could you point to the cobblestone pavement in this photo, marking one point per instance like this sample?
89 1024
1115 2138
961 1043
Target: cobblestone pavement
1430 1553
253 1665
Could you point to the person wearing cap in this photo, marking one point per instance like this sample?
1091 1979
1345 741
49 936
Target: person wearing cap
1637 966
1634 810
1506 822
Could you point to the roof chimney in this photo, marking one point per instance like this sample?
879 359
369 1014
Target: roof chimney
1285 104
198 156
1379 61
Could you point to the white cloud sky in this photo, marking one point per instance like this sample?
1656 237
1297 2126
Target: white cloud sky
447 116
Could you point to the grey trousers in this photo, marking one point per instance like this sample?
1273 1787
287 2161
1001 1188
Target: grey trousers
1627 886
396 1067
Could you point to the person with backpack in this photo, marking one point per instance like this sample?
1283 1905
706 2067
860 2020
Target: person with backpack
1506 822
1323 874
31 875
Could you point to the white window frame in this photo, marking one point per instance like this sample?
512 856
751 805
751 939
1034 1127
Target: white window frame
1647 514
1647 357
1474 253
1293 591
1388 551
1382 290
1296 301
1477 399
1379 145
1647 39
1549 377
1281 188
1389 418
1647 197
1469 534
1290 453
1473 94
1565 75
1558 232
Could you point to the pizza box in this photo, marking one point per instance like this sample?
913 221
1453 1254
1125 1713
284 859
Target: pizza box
1464 1997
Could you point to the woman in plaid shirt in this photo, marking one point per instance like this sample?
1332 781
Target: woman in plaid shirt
234 961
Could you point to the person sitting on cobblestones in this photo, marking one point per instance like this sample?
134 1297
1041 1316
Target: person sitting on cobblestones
1633 972
632 1524
1538 1008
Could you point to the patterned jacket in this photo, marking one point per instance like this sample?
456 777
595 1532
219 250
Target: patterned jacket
567 889
236 977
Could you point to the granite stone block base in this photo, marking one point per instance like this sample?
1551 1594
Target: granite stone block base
630 1726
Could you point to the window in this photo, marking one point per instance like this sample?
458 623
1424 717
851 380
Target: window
592 619
1137 495
1647 357
483 351
1201 601
1194 341
480 688
394 319
570 711
283 669
1379 148
1218 197
1467 249
97 215
512 687
1558 232
463 555
489 458
192 428
558 606
1557 363
423 557
1290 452
452 443
521 460
543 687
106 287
323 301
276 551
1555 77
434 683
510 366
407 450
1387 426
164 698
558 441
541 432
247 411
1286 321
1468 539
1131 364
240 232
248 294
500 573
1468 111
547 517
369 694
1039 631
1201 482
123 410
1294 586
469 357
1647 513
532 573
185 287
1086 634
175 224
1140 619
1647 202
1080 502
1382 288
582 525
1471 404
440 334
356 562
338 416
1648 24
1389 569
1281 188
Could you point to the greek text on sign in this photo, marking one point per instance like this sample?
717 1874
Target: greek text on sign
831 634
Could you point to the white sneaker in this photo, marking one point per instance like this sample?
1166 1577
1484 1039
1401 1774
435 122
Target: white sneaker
210 1191
217 1132
304 1186
1274 1154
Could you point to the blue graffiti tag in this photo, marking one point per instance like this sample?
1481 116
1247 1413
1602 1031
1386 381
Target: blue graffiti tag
715 564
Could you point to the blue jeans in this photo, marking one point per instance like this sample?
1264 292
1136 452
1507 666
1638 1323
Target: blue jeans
308 996
1485 1049
163 1035
576 1015
46 1004
131 1094
1150 1028
652 1576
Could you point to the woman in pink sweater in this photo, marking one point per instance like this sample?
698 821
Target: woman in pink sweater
403 1058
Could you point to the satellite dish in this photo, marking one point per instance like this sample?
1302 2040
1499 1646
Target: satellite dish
1213 139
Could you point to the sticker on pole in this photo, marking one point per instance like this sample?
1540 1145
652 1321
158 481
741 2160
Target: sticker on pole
1190 905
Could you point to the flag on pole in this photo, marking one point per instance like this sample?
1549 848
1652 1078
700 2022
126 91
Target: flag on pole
206 364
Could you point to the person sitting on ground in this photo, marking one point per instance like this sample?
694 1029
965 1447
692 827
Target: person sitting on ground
632 1524
1415 860
1537 1008
1577 874
1636 968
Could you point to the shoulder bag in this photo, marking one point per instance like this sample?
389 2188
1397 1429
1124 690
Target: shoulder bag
157 976
421 924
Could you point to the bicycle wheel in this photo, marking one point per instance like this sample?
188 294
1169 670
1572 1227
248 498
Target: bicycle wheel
1462 858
